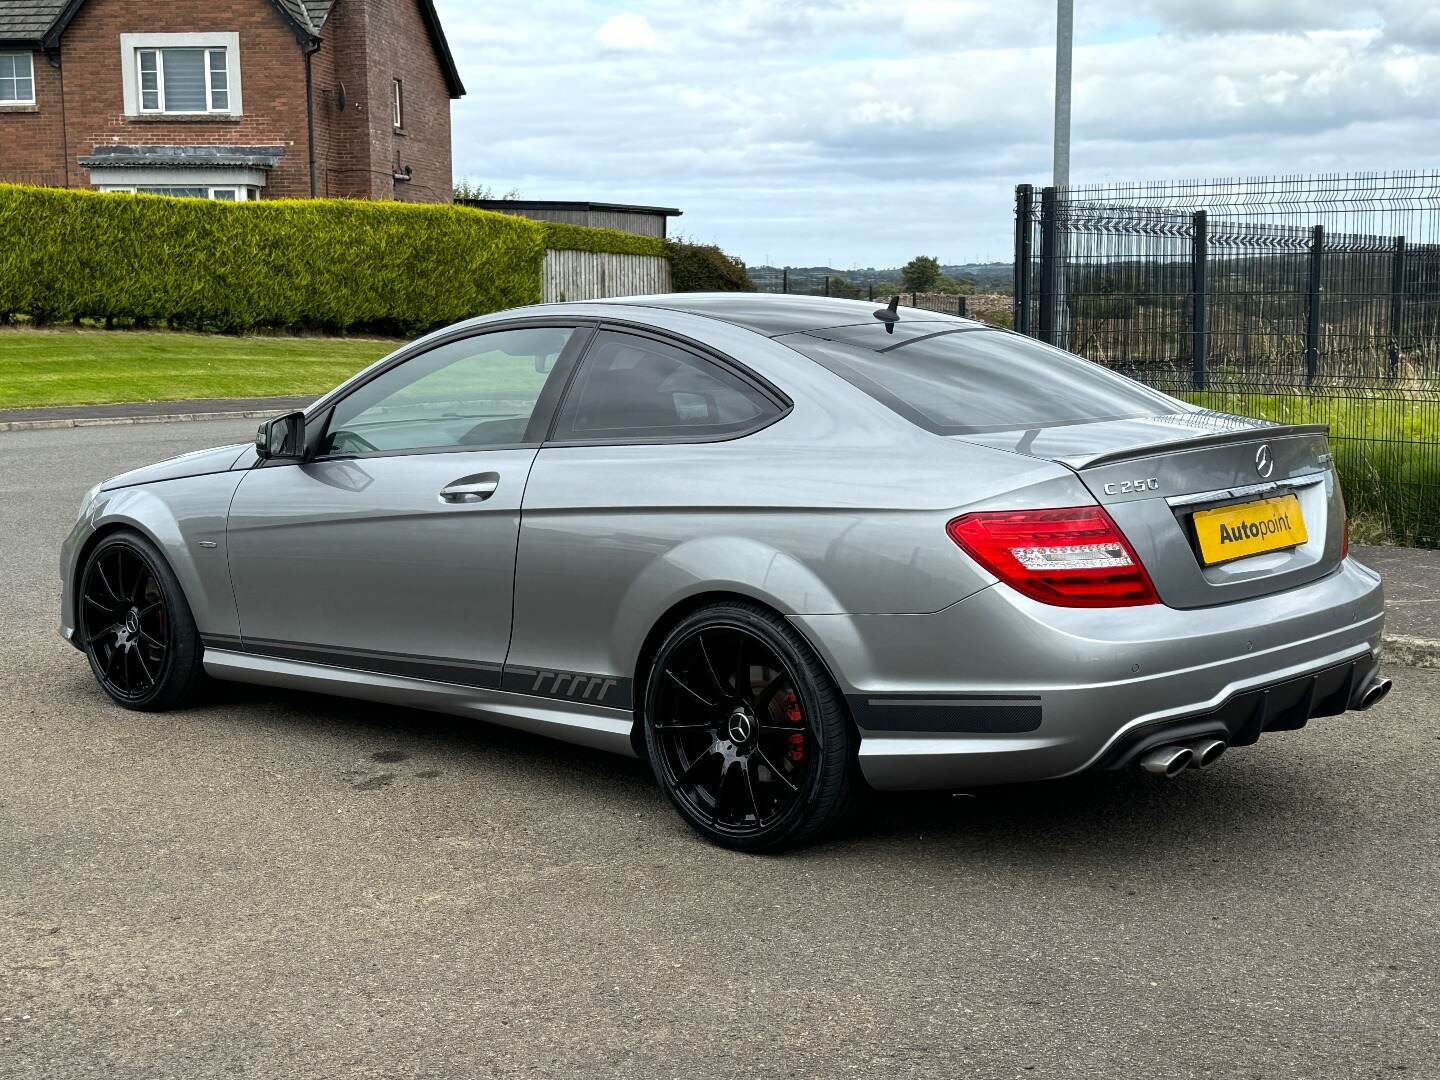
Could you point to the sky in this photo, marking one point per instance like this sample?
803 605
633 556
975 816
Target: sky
855 133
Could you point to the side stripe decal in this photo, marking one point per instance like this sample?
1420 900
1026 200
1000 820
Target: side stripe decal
611 691
608 691
431 668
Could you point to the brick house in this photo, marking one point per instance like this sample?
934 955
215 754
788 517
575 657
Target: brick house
230 99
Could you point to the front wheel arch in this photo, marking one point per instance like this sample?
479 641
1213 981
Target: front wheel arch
82 557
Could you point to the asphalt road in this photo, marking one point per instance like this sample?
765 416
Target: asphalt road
279 885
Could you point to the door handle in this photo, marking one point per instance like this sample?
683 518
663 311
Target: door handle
476 488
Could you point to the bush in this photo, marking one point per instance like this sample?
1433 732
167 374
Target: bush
562 237
327 264
705 268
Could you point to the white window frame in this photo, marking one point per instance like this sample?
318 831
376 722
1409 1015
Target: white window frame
241 192
397 104
162 106
132 45
30 56
130 177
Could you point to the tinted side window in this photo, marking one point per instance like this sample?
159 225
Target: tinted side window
972 381
468 394
630 387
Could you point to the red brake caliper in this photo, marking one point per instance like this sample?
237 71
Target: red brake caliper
796 749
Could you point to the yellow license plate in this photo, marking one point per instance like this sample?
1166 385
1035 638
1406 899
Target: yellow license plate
1232 532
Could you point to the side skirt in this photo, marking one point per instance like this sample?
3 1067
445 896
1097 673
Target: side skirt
574 721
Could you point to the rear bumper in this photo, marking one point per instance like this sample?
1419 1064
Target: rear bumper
999 689
1241 720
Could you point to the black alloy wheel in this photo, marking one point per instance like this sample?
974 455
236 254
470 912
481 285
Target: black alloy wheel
745 731
135 627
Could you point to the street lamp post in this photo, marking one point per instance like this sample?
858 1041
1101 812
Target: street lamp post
1064 35
1064 40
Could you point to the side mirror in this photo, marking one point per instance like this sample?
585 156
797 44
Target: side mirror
282 438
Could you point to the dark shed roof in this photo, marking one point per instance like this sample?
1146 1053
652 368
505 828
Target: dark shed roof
513 205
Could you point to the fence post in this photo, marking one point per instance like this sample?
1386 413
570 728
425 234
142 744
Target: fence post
1397 305
1024 205
1312 304
785 280
872 292
827 284
1049 237
912 299
1199 252
960 307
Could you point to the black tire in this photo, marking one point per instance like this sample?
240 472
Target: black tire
135 626
790 776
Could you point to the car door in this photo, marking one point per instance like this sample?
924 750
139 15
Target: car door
394 549
646 453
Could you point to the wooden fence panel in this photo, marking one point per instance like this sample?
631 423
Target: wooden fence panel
592 275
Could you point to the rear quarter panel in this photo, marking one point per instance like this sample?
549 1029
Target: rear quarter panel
839 507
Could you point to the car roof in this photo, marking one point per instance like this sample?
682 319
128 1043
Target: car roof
774 314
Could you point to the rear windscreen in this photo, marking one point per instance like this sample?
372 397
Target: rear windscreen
963 382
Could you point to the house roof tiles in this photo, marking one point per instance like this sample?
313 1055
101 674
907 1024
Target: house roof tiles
37 22
27 20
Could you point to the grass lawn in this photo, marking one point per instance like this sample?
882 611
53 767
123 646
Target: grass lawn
83 367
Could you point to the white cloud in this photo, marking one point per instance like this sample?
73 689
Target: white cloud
864 131
627 32
1275 16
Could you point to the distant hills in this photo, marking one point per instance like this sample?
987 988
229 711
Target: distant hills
988 277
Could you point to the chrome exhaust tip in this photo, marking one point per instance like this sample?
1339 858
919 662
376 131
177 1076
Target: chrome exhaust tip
1167 760
1206 752
1373 694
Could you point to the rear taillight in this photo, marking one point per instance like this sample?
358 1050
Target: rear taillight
1074 557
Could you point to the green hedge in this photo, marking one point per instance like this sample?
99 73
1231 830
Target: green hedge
584 238
329 264
705 268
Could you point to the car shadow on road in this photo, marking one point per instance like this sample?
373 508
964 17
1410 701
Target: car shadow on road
404 734
1254 799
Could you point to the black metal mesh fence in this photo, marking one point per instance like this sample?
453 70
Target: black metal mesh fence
1302 299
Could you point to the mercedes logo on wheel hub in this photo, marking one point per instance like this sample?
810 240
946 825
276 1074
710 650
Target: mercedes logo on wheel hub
741 727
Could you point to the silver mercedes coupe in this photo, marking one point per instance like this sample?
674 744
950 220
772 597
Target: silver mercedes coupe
781 547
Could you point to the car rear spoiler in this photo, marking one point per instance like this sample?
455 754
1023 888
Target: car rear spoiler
1197 442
